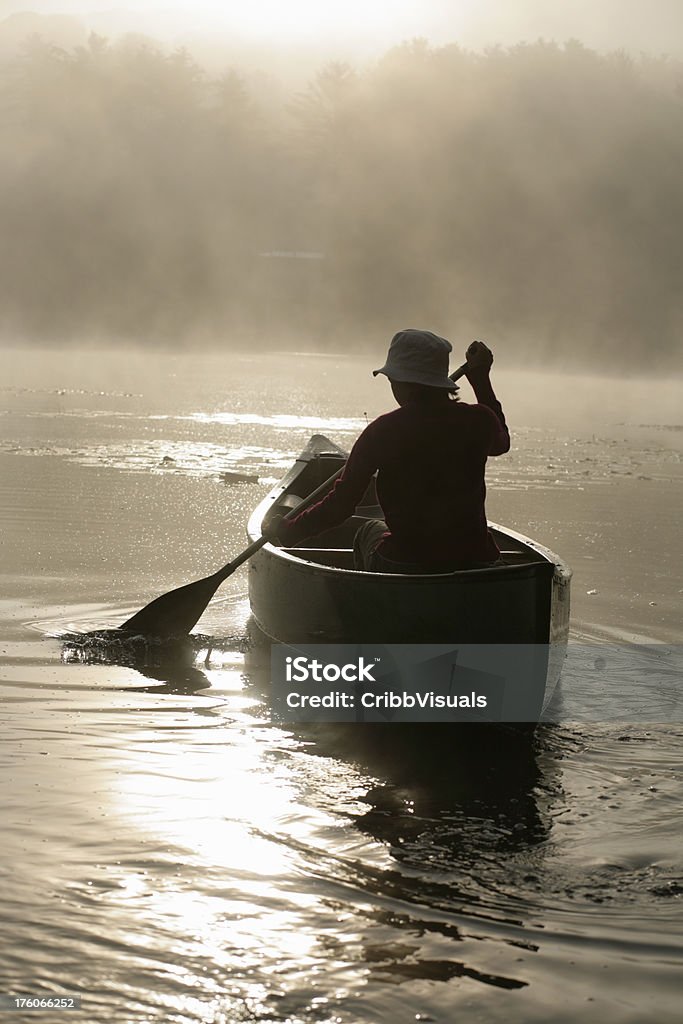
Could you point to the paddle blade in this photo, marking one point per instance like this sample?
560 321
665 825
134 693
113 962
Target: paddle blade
174 613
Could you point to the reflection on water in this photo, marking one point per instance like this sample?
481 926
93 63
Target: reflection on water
201 863
170 855
539 460
352 854
211 867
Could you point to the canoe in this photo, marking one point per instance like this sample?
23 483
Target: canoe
311 594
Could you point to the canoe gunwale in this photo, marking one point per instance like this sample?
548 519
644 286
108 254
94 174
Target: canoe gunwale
415 579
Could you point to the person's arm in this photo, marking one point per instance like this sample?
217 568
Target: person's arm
479 362
341 501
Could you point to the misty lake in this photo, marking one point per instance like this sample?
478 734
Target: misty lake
168 854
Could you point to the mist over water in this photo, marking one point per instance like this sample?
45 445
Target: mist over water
528 195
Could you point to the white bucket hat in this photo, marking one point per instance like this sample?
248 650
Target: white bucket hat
418 357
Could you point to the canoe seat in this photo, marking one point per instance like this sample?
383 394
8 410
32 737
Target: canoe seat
289 501
516 556
338 558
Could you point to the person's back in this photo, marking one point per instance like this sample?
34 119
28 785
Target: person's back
430 482
429 456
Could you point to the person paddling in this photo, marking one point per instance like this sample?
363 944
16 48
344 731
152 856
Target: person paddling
430 458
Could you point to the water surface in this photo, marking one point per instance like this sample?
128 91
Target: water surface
170 855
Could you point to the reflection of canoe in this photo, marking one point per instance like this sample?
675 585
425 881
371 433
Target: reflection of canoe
311 594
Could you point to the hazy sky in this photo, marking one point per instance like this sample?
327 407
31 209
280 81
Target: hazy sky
370 25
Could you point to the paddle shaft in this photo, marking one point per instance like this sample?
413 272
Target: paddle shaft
228 569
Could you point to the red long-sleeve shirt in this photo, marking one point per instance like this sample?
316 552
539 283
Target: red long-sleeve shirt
430 462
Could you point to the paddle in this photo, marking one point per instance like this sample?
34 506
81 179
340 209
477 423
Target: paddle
175 613
460 372
178 611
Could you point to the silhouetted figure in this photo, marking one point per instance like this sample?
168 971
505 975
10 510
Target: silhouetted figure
430 458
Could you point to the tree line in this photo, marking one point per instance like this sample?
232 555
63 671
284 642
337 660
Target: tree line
531 194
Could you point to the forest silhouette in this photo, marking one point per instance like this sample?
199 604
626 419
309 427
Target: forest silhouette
532 194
